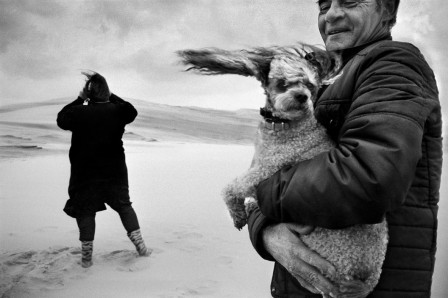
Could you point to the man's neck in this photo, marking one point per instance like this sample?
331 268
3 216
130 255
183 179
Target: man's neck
349 53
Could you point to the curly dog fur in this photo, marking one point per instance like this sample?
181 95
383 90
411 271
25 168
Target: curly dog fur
289 133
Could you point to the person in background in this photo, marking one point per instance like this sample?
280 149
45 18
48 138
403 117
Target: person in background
384 114
97 119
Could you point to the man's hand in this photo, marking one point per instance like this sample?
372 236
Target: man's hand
83 95
283 243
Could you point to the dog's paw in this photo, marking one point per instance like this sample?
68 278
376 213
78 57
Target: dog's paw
239 223
239 216
250 205
354 289
235 204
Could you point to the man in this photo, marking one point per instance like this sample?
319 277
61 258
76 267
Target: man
384 114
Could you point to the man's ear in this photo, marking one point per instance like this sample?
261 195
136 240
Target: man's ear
389 10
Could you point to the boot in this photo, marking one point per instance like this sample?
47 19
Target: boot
86 250
136 238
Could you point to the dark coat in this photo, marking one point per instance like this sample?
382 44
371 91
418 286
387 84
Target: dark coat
384 114
96 154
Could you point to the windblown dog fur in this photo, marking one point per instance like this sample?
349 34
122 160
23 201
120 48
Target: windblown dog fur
289 133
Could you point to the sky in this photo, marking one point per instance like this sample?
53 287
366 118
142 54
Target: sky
45 44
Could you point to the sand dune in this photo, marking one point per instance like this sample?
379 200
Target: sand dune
28 127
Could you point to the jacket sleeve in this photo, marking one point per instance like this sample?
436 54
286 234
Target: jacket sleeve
371 169
256 222
127 111
65 119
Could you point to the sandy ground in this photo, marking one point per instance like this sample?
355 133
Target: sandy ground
175 190
175 182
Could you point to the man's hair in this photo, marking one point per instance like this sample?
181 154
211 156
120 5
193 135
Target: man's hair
96 87
391 7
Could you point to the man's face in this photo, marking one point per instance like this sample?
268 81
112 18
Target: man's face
349 23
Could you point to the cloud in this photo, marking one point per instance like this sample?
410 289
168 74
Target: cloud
46 43
158 30
45 9
18 18
11 27
28 45
423 23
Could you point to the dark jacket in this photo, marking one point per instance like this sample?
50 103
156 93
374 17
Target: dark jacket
96 154
384 115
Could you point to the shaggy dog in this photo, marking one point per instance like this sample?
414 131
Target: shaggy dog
287 134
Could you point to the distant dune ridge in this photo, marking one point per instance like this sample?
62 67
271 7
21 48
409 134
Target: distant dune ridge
30 128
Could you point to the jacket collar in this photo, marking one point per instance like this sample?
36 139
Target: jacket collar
348 54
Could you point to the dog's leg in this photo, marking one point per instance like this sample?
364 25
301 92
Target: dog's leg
237 210
236 192
234 195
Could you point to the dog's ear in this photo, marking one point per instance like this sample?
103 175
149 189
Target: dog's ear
261 59
327 64
213 61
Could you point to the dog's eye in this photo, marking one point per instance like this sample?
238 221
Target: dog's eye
310 86
281 85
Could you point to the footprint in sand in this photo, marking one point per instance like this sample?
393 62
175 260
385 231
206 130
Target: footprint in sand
186 240
30 272
25 273
20 258
46 229
199 288
156 251
188 235
33 271
124 260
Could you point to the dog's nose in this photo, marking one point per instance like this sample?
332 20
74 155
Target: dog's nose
301 98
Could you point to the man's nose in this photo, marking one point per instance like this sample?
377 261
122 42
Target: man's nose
335 12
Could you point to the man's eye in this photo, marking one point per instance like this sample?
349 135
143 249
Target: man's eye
350 4
324 7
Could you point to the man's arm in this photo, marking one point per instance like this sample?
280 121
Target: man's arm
65 118
128 112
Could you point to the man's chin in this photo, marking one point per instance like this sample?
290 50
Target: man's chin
335 43
335 46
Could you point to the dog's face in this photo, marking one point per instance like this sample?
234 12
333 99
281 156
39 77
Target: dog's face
292 86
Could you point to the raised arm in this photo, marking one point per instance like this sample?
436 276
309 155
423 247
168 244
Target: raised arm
127 110
65 119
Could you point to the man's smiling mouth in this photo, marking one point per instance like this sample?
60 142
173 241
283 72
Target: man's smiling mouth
333 32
